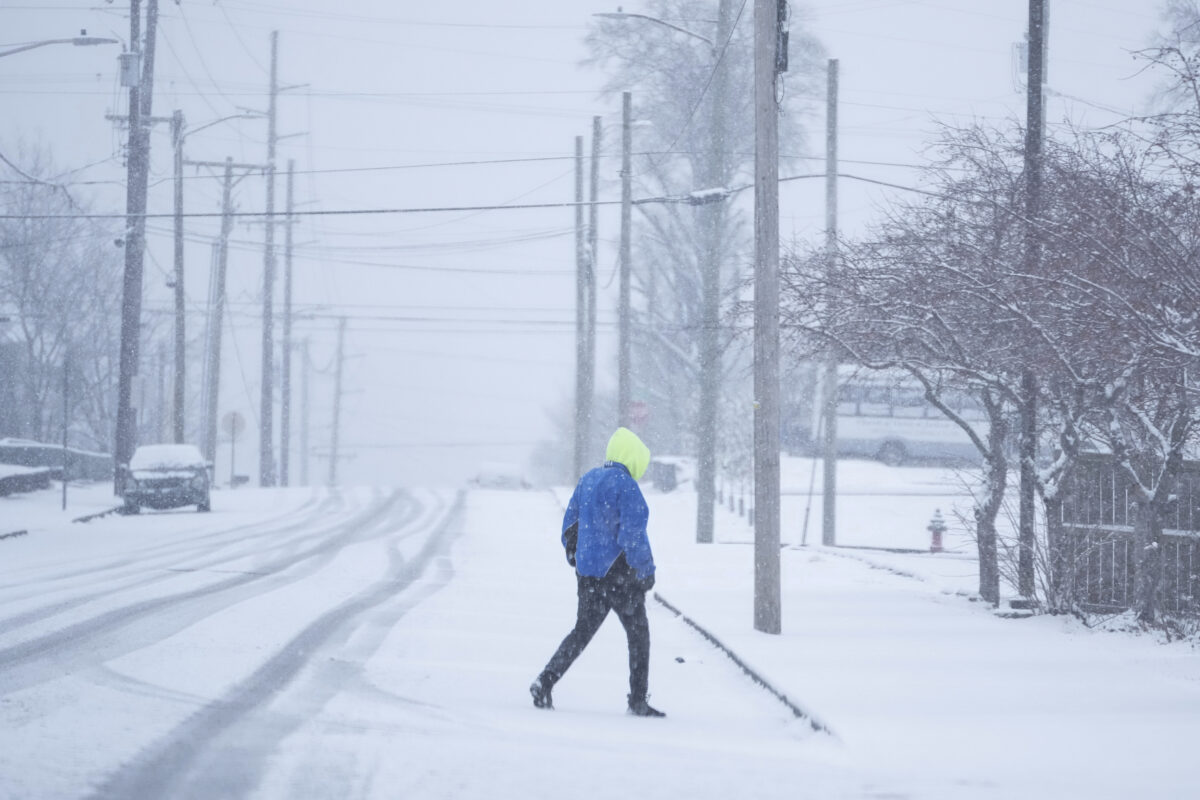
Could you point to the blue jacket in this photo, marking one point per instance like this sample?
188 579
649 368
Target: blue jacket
611 512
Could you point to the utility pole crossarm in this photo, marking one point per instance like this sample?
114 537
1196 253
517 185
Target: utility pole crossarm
221 165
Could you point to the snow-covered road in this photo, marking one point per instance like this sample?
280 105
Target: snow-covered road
169 654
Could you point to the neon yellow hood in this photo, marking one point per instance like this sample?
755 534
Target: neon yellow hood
626 448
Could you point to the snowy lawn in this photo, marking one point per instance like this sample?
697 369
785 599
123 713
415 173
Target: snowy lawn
43 510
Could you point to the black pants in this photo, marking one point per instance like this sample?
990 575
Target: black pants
617 591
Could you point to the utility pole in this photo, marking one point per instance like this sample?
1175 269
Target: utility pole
162 418
217 301
580 316
589 288
1034 120
624 370
712 224
266 456
830 382
216 317
66 392
138 172
767 604
337 402
304 413
180 311
285 391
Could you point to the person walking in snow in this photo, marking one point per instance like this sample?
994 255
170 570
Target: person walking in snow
604 534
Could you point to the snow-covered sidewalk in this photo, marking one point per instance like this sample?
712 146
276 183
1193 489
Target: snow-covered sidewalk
935 691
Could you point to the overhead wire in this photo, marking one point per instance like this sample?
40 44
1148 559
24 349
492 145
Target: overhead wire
720 58
350 212
200 55
220 4
166 39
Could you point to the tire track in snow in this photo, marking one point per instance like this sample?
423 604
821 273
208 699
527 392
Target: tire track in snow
202 541
224 748
131 627
131 573
174 547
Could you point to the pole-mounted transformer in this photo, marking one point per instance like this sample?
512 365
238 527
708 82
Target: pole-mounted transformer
783 11
131 69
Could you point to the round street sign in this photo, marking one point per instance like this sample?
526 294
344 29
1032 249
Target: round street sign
233 424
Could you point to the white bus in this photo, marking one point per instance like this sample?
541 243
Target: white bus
883 414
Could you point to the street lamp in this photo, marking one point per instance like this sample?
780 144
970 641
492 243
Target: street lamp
657 21
83 40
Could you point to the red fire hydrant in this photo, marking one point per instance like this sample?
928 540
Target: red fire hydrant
936 527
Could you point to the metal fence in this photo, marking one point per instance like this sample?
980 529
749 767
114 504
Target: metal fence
1098 559
79 464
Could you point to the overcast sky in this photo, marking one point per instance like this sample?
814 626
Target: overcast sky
460 338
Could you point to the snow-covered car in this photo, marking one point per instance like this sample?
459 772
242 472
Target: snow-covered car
166 476
498 475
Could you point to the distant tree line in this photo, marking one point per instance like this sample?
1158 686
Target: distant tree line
60 298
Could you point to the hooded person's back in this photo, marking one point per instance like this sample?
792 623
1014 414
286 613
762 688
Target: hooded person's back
611 512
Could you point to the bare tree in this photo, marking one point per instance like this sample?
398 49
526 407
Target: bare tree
60 286
689 64
1128 258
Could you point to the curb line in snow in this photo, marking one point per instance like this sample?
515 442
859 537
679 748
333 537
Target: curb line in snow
97 515
800 713
85 518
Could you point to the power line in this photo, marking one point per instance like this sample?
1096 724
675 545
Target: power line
717 61
187 75
442 164
237 35
347 212
288 11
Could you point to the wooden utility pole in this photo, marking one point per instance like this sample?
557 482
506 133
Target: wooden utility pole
337 402
830 383
767 604
217 301
66 393
624 369
163 415
1034 121
589 289
266 455
304 413
140 102
216 316
285 390
580 316
177 415
711 217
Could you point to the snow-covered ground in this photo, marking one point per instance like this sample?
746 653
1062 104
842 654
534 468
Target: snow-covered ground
378 643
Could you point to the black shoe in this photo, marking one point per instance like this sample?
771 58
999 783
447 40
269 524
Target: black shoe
540 689
640 708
